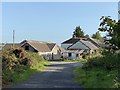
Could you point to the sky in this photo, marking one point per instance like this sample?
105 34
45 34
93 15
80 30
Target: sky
119 10
52 21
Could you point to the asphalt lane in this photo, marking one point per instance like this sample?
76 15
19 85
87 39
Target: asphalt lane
56 75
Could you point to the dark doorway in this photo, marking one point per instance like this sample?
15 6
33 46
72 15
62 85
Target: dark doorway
52 56
26 47
69 54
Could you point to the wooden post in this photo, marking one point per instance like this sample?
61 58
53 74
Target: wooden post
13 38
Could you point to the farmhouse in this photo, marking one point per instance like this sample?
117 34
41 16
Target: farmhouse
72 54
49 51
75 47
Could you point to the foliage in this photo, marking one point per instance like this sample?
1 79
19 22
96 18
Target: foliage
97 68
107 61
78 32
95 78
112 27
103 70
97 36
87 36
18 65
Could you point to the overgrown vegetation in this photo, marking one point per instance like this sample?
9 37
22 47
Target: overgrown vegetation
103 70
95 78
98 36
100 71
18 65
112 27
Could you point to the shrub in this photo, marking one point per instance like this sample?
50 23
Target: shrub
108 62
16 62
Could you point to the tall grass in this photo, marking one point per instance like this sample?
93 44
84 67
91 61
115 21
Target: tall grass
100 71
95 78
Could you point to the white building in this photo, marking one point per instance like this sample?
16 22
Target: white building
75 47
72 54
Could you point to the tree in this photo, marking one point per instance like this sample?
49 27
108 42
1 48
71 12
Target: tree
112 27
87 36
96 35
116 34
78 33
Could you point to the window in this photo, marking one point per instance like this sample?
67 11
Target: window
77 55
26 47
86 50
69 54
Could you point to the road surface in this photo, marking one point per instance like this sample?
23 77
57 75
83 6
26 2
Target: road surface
56 75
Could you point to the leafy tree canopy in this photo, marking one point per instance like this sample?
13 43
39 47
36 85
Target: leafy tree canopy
87 36
112 27
97 36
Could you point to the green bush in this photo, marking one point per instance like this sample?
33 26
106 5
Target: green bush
18 65
107 61
98 68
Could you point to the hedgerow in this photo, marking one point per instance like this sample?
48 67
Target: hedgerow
17 65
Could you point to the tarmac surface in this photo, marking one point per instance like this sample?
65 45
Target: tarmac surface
57 74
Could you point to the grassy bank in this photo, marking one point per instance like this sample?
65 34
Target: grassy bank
18 67
28 71
96 78
100 71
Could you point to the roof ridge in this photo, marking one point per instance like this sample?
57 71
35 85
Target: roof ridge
84 42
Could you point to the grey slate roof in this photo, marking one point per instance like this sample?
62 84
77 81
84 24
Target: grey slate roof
71 41
85 41
37 45
10 45
98 43
89 44
51 45
40 46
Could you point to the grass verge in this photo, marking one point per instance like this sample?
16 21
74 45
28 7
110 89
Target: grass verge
95 77
29 71
100 71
